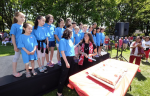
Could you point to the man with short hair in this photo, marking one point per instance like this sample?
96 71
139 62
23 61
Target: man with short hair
125 43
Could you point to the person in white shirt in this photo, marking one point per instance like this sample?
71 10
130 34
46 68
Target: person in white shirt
146 47
137 51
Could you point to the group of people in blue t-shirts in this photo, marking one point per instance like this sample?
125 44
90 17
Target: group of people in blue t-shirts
74 44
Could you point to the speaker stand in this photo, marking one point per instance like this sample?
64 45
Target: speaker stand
117 51
120 56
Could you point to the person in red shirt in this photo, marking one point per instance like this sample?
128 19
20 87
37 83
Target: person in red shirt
120 42
131 38
106 42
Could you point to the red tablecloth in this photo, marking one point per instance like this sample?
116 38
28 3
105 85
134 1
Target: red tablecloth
87 86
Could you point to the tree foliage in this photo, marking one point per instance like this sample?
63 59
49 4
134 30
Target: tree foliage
104 12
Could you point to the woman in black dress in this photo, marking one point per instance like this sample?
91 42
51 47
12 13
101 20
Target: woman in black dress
87 48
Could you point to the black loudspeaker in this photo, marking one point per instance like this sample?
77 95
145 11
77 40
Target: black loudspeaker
126 28
119 29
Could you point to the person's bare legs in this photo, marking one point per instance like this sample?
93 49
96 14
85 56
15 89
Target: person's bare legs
32 64
27 67
39 62
58 56
43 59
14 64
100 49
105 47
14 68
47 56
51 54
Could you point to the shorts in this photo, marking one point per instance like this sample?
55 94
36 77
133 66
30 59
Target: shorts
101 44
51 43
57 45
40 54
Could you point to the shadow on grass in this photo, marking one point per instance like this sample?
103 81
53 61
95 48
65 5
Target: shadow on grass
145 63
140 76
128 94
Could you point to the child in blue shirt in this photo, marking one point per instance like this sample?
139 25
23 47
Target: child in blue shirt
40 34
94 38
66 48
94 35
77 38
50 31
68 21
27 43
83 31
98 39
15 32
81 27
58 35
70 27
102 39
73 26
90 29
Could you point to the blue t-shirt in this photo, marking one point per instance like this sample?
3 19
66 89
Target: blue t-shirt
50 31
77 38
94 38
102 37
73 30
72 37
40 34
66 46
59 32
82 35
28 42
16 30
98 39
80 31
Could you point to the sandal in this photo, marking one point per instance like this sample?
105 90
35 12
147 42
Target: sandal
28 74
34 73
17 75
50 65
51 62
44 68
40 69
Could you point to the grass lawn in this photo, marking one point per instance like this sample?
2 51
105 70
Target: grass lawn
140 84
6 50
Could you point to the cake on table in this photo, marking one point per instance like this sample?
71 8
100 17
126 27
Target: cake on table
108 73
